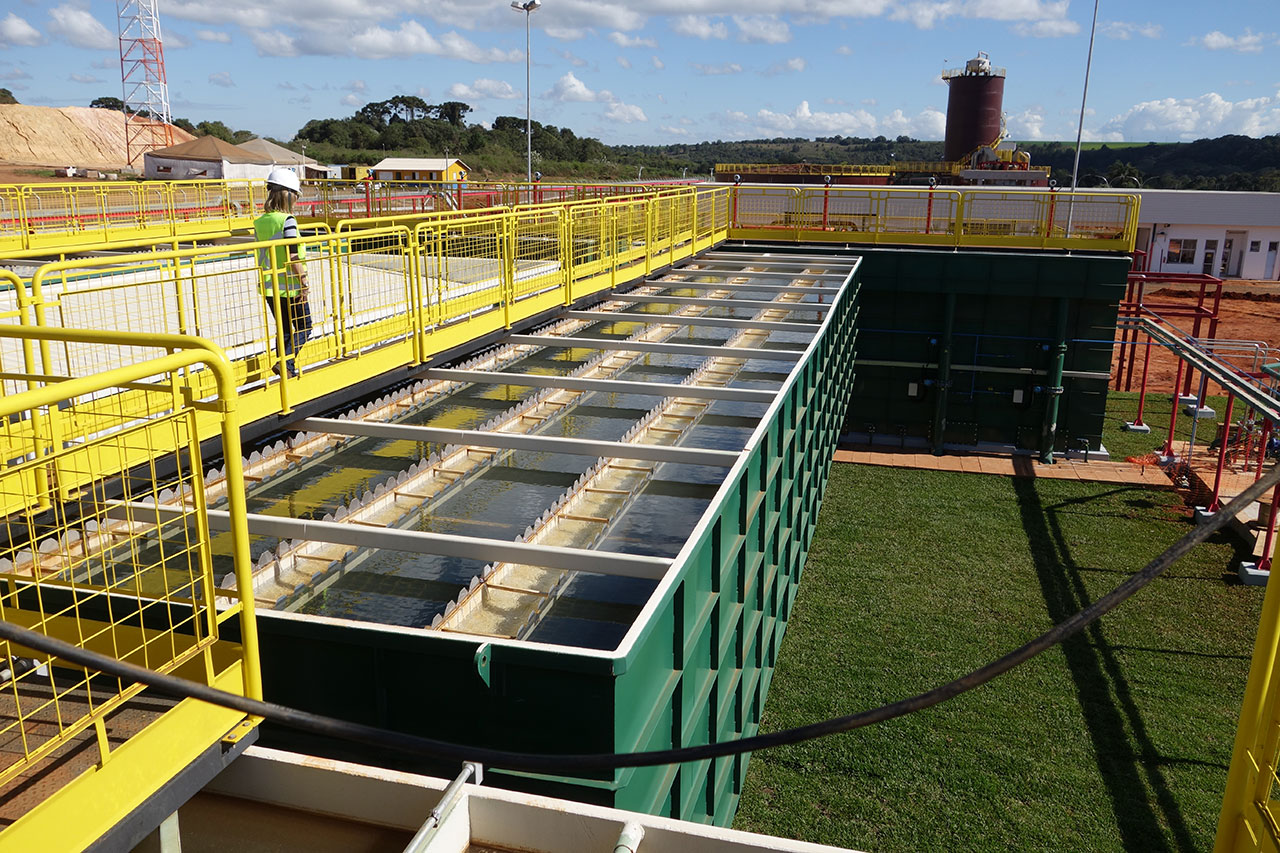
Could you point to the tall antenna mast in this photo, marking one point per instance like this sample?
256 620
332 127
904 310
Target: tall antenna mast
147 121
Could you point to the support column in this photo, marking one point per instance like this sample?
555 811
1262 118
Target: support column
1215 503
1053 388
1142 392
1268 546
1173 413
944 373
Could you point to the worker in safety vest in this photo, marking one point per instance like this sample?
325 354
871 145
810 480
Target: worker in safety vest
283 280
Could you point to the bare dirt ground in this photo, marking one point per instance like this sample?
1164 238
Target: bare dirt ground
1249 311
52 137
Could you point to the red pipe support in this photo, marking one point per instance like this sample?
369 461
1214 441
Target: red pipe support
1215 502
1264 564
1142 393
1173 413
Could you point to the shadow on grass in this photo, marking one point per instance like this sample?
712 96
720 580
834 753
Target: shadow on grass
1128 761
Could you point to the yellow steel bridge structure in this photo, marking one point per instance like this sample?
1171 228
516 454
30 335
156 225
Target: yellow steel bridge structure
132 332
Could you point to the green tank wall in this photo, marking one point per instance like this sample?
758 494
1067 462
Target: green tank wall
697 670
1003 340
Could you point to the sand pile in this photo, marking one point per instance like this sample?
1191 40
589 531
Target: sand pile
65 136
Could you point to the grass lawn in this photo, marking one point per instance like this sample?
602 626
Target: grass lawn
1122 407
1118 740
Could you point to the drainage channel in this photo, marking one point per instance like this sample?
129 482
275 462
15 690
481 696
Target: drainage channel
592 448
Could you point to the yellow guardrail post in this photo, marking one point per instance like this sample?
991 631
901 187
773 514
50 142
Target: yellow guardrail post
508 268
610 226
649 230
1253 758
564 217
183 352
343 284
418 325
797 201
336 312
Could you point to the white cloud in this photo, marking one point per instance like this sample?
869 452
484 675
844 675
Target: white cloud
844 50
274 43
85 78
352 100
411 39
16 31
569 89
803 121
1028 124
1250 42
714 70
927 124
791 65
624 113
483 88
223 79
80 29
575 61
624 40
1048 29
768 29
1124 30
566 33
173 39
14 73
673 131
216 36
658 63
356 86
699 26
1172 119
623 61
1051 15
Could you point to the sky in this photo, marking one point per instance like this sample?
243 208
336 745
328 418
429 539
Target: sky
671 71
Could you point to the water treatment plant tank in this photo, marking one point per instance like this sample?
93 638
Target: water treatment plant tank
974 106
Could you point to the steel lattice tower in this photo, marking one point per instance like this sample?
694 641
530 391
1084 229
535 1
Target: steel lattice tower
146 93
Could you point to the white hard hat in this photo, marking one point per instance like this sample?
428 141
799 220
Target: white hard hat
285 179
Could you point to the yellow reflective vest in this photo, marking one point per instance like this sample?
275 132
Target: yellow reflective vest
275 263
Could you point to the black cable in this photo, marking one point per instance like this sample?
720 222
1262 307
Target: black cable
415 745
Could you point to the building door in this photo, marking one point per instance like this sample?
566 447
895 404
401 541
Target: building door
1233 253
1210 256
1143 244
1271 258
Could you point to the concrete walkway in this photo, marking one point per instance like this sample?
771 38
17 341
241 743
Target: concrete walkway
1009 466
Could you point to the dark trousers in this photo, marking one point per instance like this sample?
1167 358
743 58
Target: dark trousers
296 327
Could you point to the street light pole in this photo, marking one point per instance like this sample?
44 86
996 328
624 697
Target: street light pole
1084 99
528 7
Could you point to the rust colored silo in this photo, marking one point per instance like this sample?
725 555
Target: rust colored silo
974 106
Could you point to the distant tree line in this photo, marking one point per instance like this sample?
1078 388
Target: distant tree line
204 128
1230 162
407 125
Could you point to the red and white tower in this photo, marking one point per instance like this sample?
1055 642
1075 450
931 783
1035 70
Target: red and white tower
146 94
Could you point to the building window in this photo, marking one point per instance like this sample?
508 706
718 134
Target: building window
1181 252
1255 245
1273 245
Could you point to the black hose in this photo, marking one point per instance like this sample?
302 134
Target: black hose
422 747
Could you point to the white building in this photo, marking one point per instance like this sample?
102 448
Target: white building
205 157
1224 234
302 166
